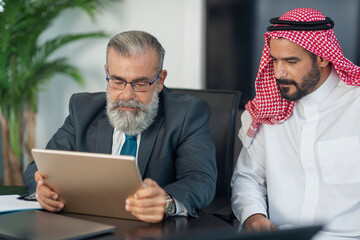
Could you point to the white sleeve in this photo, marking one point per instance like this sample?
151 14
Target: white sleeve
248 181
180 209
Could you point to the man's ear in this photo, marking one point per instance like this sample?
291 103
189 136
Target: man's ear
323 62
161 79
105 68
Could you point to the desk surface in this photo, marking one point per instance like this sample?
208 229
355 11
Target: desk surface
170 228
127 229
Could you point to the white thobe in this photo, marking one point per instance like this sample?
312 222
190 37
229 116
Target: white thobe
307 168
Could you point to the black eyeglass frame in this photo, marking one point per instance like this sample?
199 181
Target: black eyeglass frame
132 83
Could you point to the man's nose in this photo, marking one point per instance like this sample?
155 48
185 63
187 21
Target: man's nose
280 71
128 93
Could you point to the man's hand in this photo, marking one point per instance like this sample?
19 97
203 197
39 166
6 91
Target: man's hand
258 223
47 198
147 203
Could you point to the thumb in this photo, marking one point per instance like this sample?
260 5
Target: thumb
149 183
38 177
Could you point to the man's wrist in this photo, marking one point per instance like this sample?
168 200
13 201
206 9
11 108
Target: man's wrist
170 206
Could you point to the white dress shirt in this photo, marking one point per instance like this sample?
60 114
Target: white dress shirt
308 168
118 142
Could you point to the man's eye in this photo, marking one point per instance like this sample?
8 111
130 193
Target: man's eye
140 84
118 82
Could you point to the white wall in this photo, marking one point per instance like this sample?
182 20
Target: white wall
177 24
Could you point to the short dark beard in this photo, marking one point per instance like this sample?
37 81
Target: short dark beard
308 84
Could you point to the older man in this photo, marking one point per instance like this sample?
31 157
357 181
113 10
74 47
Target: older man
167 132
301 157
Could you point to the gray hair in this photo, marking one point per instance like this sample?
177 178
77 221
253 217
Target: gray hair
133 43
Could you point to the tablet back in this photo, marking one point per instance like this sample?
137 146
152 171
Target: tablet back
90 183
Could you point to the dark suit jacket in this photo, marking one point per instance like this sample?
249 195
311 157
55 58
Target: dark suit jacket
176 150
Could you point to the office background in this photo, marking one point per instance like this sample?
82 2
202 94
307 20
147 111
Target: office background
235 30
213 44
177 25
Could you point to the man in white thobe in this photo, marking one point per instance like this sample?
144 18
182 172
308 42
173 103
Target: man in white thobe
300 162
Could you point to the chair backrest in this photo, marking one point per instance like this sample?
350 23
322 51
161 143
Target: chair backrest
224 107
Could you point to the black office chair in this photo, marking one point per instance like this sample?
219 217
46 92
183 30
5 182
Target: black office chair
224 124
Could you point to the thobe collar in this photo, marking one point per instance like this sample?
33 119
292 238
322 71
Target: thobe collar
323 91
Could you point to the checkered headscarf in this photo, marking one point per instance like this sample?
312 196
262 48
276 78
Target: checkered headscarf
298 26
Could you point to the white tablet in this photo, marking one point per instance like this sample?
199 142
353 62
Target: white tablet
90 183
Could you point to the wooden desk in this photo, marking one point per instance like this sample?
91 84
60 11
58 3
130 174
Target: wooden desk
174 227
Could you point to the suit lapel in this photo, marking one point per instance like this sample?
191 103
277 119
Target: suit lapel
149 136
104 136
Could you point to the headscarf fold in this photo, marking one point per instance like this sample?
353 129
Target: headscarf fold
268 106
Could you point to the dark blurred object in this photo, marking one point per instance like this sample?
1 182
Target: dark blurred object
223 124
9 190
229 45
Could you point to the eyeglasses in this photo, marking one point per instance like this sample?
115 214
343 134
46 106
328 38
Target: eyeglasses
137 86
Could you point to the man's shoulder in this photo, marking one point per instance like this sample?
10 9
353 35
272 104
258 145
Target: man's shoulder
343 95
90 100
344 88
180 99
87 103
178 105
89 97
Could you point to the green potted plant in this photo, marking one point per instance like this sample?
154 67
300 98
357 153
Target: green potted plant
25 66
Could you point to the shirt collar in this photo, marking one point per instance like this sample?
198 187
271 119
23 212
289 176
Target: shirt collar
324 90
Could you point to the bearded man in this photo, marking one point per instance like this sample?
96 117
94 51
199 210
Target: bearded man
300 162
168 133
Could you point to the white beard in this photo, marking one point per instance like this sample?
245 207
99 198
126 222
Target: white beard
132 122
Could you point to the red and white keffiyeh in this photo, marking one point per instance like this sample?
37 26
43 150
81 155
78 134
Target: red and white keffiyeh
268 106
